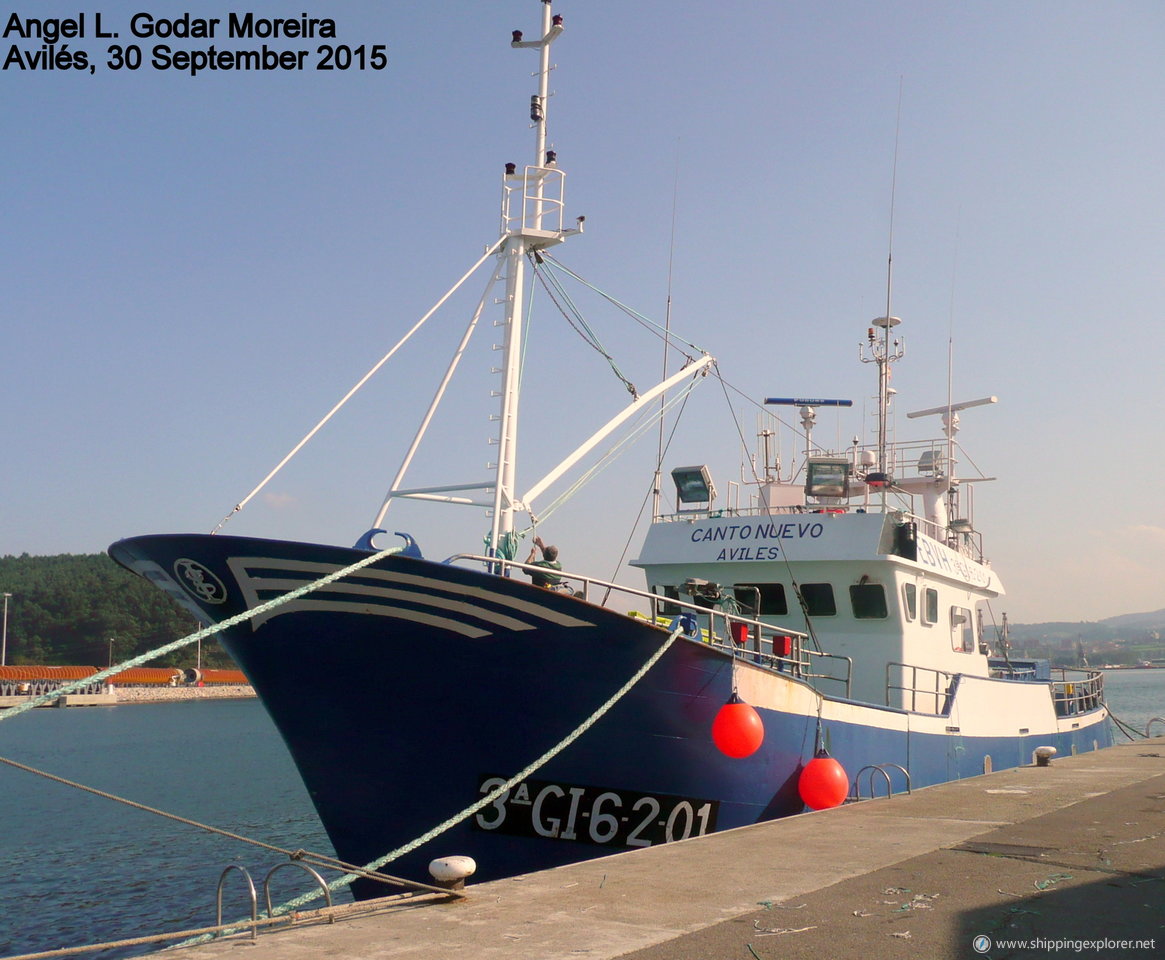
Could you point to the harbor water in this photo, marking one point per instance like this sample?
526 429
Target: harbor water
82 869
1135 697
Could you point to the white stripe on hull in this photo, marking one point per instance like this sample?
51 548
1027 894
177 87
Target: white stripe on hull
274 588
252 586
382 610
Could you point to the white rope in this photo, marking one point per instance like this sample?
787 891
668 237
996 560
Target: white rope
485 801
375 865
300 855
202 634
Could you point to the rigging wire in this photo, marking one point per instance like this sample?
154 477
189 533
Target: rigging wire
653 491
359 384
657 488
528 326
559 296
650 325
761 408
893 196
647 419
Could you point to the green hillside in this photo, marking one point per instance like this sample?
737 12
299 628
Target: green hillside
65 609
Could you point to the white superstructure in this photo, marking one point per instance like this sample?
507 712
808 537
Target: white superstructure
873 549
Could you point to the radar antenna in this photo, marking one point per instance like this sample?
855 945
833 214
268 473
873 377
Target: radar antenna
808 413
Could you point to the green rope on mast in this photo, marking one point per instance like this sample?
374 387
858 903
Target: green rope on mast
507 548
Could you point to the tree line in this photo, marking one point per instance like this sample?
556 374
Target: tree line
65 609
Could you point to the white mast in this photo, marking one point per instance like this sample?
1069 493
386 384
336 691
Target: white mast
527 198
883 351
531 220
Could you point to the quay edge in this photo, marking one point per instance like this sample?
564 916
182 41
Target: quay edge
1081 833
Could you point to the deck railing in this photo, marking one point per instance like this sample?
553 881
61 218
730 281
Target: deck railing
929 691
775 648
926 689
1077 691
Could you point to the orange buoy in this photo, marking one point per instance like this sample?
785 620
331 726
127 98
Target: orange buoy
737 730
823 782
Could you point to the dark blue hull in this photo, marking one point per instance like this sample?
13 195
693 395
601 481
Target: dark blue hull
405 691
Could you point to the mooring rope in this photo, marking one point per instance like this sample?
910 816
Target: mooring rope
480 804
370 870
1127 729
304 856
52 695
329 912
140 941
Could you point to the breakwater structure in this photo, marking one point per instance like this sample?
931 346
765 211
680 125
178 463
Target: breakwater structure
19 684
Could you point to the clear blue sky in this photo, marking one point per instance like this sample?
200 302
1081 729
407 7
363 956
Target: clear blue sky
194 269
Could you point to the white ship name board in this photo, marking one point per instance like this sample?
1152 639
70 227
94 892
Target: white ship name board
727 539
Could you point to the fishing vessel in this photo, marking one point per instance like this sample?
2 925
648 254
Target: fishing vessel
841 612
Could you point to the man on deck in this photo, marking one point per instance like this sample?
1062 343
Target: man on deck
548 562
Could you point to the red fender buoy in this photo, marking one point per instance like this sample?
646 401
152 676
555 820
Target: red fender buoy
737 730
823 782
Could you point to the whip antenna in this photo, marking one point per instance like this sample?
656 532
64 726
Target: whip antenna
657 488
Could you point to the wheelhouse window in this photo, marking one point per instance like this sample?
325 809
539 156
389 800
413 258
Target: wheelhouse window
868 601
771 598
962 630
910 600
818 599
930 606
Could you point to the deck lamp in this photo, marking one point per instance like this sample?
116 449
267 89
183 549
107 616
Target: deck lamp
827 477
693 485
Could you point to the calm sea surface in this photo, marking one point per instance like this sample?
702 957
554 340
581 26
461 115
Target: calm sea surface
80 869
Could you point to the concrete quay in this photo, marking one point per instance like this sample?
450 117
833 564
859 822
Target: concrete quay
114 695
1072 854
